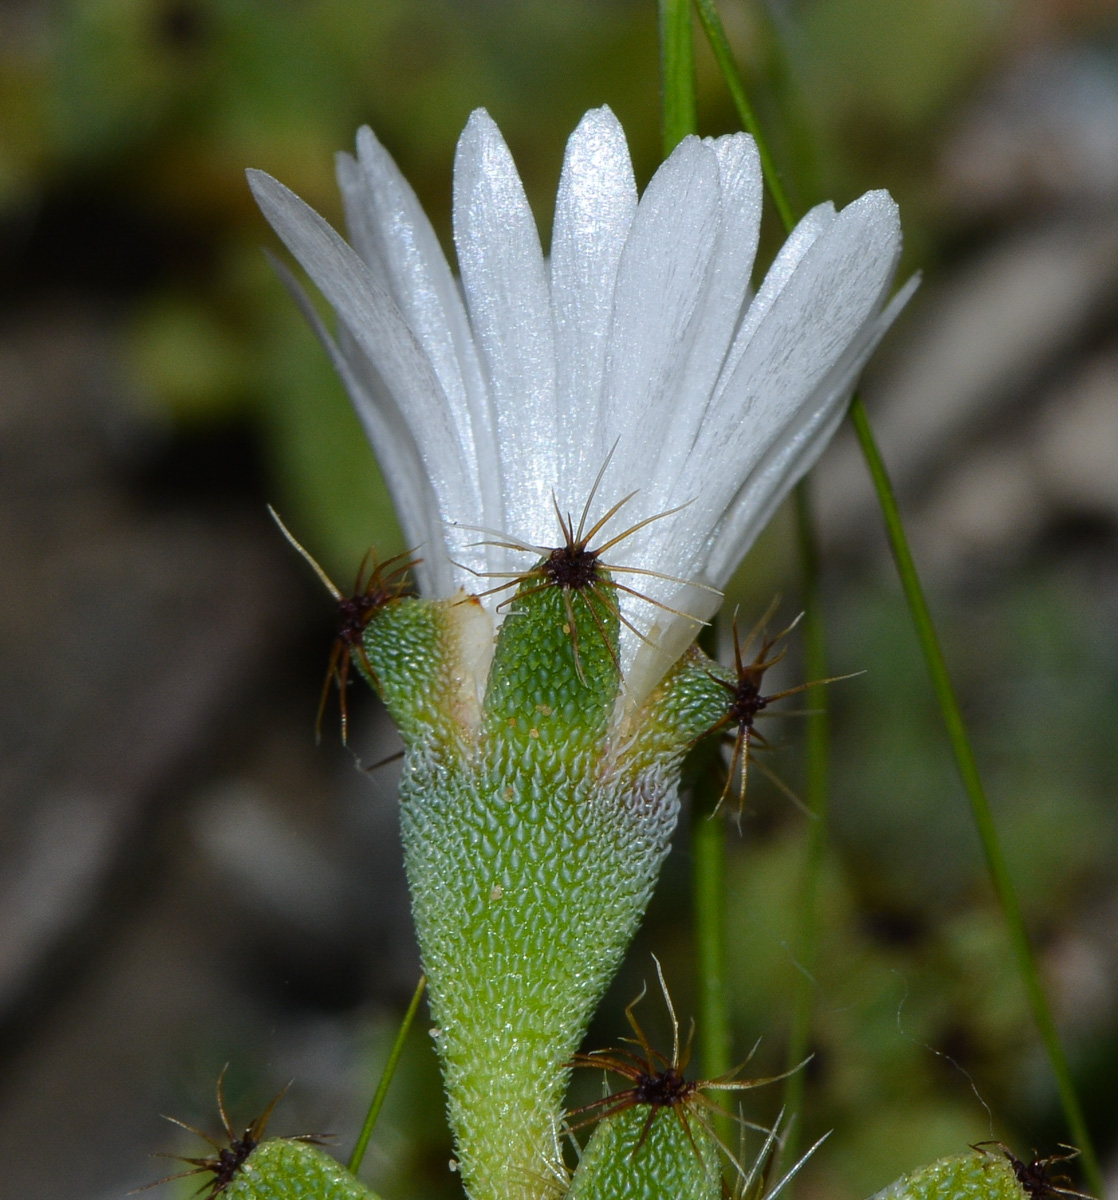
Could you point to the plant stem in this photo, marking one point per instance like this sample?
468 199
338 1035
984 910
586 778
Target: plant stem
817 791
719 43
976 793
708 850
677 73
933 655
815 652
386 1079
708 834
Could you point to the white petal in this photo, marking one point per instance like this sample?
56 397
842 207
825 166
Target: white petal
506 289
836 288
661 280
415 502
377 327
739 167
360 216
798 447
665 271
789 257
425 291
593 212
784 451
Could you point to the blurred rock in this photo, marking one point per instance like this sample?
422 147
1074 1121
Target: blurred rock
1075 443
184 878
1043 133
273 865
987 510
126 639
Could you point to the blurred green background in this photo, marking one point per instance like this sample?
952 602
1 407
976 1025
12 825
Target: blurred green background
132 274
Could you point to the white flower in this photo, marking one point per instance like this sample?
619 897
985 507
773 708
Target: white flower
639 337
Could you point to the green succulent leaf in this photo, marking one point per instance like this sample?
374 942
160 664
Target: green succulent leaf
981 1174
644 1153
536 810
283 1169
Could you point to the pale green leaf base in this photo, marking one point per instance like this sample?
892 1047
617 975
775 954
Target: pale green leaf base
287 1170
675 1162
534 822
979 1175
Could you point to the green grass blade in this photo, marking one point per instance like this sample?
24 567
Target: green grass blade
358 1154
816 796
937 667
815 655
727 64
976 794
678 103
708 835
708 851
